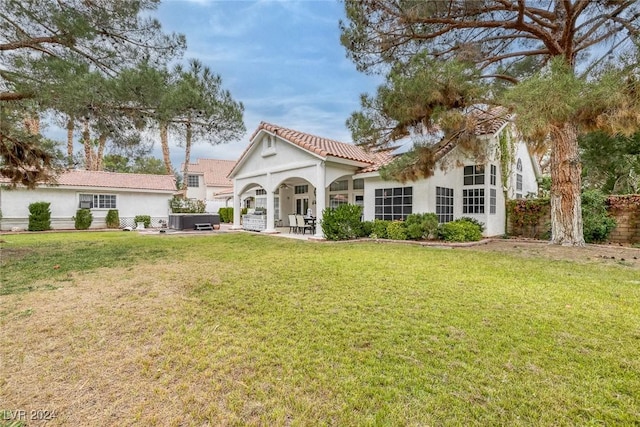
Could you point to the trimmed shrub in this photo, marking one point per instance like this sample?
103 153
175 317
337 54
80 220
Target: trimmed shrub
342 223
596 222
244 211
83 219
143 218
397 230
422 226
460 231
39 216
366 228
473 221
113 219
226 214
379 229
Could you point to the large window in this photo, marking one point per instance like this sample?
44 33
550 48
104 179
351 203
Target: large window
444 204
393 203
97 201
473 201
474 175
193 181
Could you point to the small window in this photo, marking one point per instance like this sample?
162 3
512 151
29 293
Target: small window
342 185
474 175
358 184
493 174
519 182
301 189
193 181
261 192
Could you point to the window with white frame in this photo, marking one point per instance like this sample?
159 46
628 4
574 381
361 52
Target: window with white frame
97 201
301 189
474 175
193 181
519 179
393 203
358 184
261 199
336 200
473 201
444 204
342 185
492 175
492 200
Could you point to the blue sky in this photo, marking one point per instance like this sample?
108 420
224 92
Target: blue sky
282 59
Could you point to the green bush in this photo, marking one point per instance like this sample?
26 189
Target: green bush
366 228
379 229
473 221
113 219
342 223
143 218
83 219
460 231
244 211
226 214
397 230
39 216
596 222
422 226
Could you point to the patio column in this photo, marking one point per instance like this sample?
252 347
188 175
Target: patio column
321 202
237 208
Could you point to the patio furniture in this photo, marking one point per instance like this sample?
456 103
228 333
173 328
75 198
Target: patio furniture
302 224
293 225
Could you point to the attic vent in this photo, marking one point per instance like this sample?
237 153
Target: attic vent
268 145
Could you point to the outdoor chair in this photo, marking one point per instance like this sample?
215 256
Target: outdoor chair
302 225
293 226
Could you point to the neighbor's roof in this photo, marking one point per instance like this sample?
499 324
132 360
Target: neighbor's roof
100 179
215 171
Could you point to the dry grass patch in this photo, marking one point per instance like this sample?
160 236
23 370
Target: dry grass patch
89 350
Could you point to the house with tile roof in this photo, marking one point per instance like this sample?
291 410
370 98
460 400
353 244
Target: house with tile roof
295 173
130 194
208 180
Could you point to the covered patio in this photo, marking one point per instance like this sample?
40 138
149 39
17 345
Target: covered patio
294 173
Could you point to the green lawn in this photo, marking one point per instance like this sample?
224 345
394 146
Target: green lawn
272 331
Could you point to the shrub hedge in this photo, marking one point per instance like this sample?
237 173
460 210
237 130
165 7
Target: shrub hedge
83 219
143 218
113 219
39 216
342 223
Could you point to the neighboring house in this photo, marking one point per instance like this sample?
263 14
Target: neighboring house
207 180
130 194
294 172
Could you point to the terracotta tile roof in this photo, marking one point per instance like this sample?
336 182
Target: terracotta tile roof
316 144
215 171
490 121
82 178
380 158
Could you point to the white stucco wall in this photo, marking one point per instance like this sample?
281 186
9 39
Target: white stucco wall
424 190
64 203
